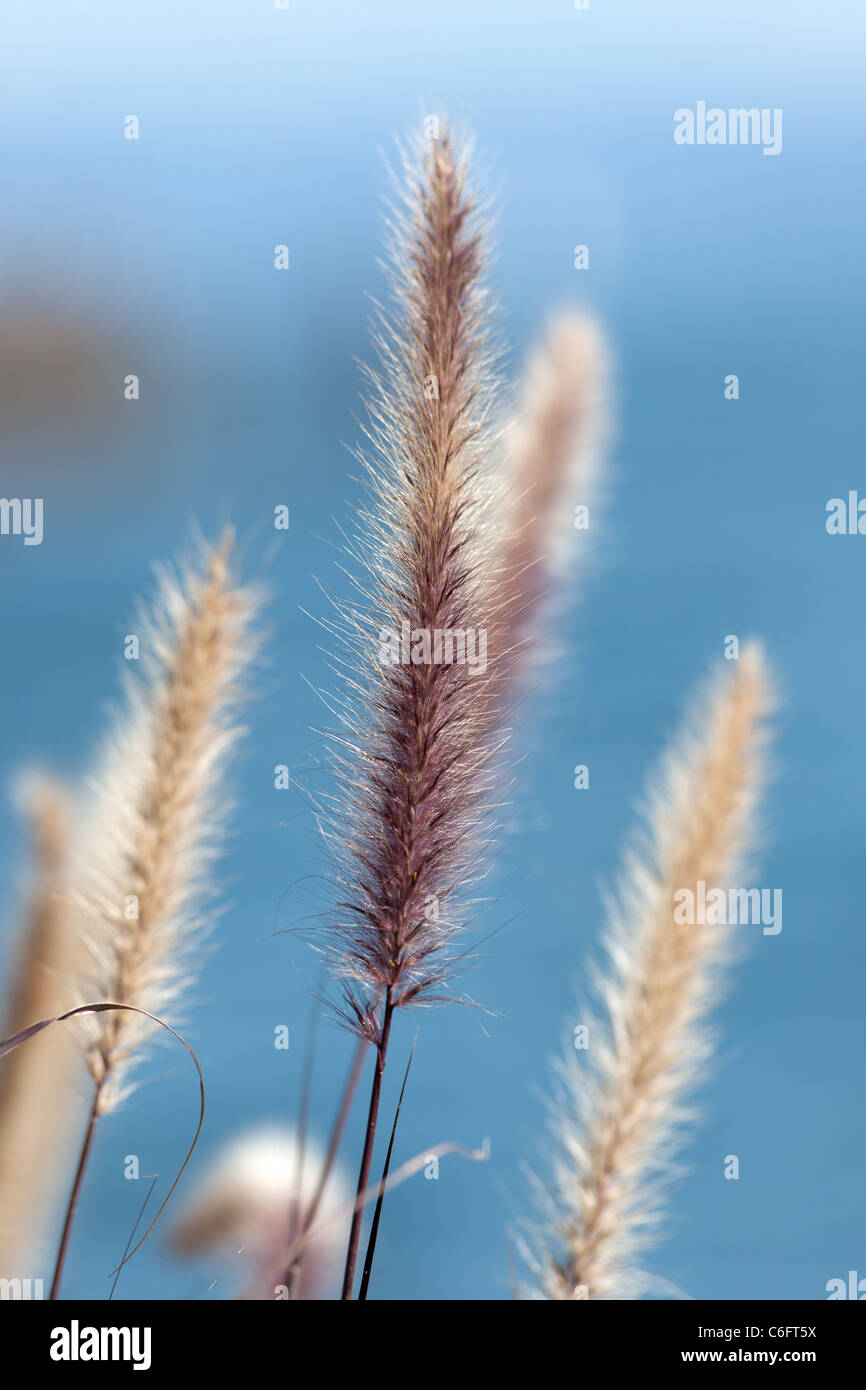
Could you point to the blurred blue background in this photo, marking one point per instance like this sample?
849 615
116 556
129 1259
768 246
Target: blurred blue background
261 126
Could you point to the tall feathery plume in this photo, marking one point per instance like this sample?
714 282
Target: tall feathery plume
552 461
620 1119
143 880
40 1083
415 759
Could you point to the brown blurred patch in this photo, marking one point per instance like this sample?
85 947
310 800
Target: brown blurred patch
58 365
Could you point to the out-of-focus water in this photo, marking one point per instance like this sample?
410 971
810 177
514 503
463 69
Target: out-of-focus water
259 127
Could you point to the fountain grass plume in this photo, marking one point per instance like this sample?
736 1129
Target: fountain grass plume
622 1110
143 873
415 756
159 807
40 1085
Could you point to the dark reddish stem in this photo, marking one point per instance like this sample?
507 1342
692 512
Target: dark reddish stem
369 1141
72 1204
377 1214
337 1131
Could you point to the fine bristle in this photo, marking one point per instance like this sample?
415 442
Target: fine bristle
620 1115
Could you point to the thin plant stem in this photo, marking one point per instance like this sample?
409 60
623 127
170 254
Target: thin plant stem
155 1177
377 1214
304 1108
337 1129
369 1141
77 1183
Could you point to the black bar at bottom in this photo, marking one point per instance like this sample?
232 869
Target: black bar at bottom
256 1339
